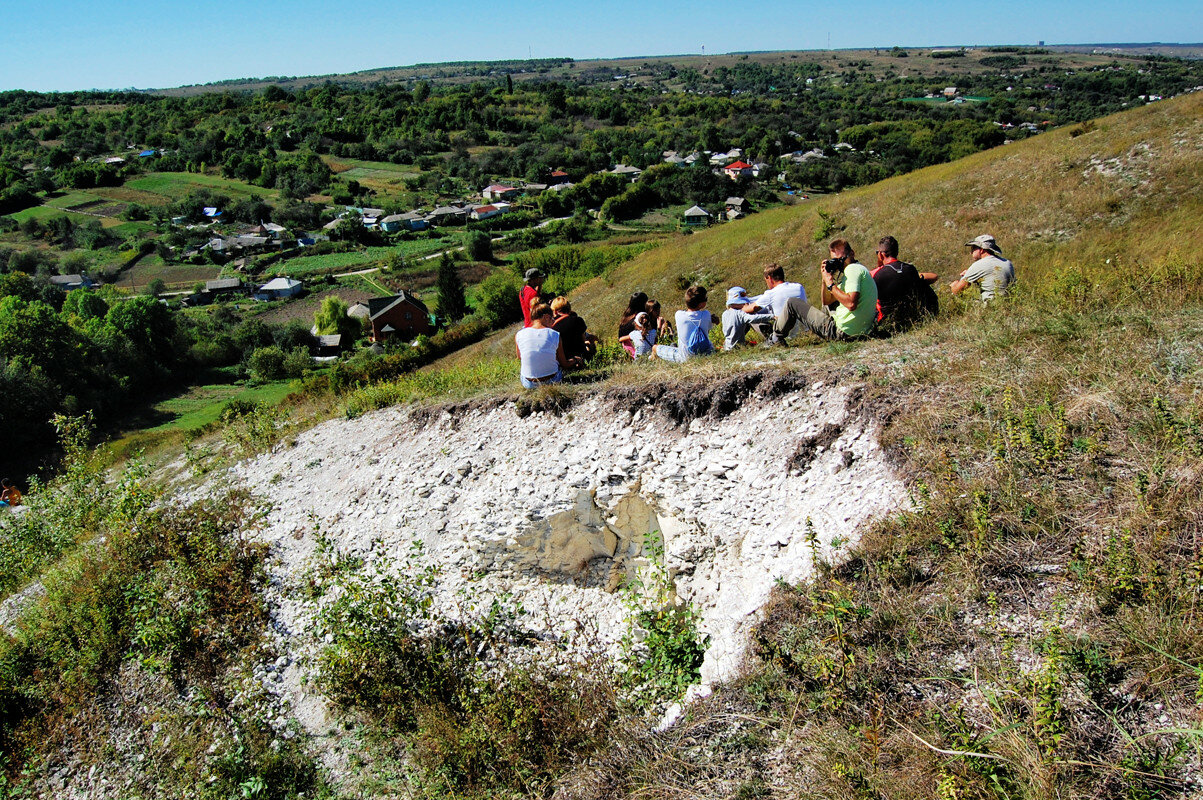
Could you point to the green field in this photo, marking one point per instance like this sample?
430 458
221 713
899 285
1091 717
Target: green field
176 276
43 213
375 174
175 185
359 259
71 200
201 405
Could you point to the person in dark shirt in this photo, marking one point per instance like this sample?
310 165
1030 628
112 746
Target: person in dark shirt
579 345
904 294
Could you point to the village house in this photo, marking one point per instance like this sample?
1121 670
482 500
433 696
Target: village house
409 221
484 212
447 215
327 347
557 176
247 242
498 191
70 283
697 216
279 289
401 316
221 286
735 207
737 170
627 170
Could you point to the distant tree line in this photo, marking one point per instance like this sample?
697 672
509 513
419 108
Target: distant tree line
477 131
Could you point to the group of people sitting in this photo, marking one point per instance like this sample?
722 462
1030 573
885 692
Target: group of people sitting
855 302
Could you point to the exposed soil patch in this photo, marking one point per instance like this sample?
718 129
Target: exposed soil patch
550 399
426 415
686 400
810 447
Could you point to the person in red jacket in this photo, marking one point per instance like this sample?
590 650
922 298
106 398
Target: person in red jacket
530 293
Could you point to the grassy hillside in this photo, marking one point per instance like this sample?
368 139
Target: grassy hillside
1029 630
1119 197
1103 204
648 70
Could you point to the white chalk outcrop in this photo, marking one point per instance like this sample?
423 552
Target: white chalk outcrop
554 510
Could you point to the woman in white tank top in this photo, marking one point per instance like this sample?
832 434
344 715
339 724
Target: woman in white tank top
540 350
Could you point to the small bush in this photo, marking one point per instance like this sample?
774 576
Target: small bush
479 731
266 363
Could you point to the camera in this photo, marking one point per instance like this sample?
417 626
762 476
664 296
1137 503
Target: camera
833 265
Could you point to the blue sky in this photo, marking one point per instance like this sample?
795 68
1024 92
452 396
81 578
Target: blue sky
82 44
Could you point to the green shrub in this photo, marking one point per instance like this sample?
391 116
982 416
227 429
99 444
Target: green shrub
266 363
177 588
71 509
497 297
663 651
480 732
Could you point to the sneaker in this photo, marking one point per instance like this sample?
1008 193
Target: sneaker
774 341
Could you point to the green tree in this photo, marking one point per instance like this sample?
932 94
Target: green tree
332 318
499 297
84 306
296 361
452 304
267 363
478 246
148 324
31 333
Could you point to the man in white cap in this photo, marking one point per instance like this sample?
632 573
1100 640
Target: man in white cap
989 270
741 314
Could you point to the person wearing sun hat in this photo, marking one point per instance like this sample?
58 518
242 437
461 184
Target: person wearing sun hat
990 271
741 314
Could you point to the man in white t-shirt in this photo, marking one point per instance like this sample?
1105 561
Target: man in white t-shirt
779 290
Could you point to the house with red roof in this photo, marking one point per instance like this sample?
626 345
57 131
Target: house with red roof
737 170
484 212
498 191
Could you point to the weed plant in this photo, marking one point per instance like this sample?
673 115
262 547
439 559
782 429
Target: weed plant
662 648
476 718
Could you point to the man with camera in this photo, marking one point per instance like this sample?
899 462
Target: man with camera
849 301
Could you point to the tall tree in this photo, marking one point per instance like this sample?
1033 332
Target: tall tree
452 305
332 318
